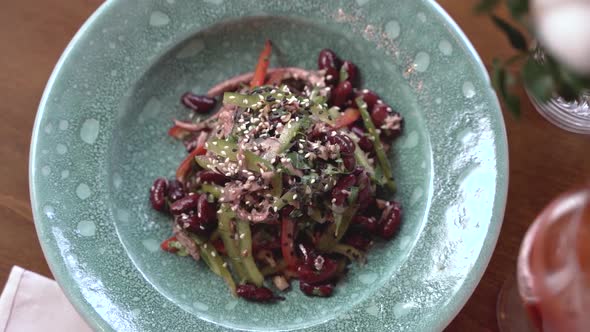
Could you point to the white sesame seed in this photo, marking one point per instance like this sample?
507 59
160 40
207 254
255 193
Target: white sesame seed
224 264
214 142
295 196
205 246
213 254
243 235
333 200
312 180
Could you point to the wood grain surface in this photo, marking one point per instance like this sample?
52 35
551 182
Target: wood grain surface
544 160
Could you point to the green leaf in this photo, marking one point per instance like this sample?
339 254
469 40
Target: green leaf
502 80
512 102
538 79
518 8
343 74
298 160
516 38
499 78
486 6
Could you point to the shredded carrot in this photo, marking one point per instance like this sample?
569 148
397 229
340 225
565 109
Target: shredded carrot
262 65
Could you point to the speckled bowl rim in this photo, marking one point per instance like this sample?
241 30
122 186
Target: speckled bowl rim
446 314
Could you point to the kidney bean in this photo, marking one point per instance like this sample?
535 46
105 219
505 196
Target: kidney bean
352 71
175 191
390 220
158 194
212 177
312 275
341 94
197 103
323 290
257 294
380 113
346 145
185 204
369 97
340 190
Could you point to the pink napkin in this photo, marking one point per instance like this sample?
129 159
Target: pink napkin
31 302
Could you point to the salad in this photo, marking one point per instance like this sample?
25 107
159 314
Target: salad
283 181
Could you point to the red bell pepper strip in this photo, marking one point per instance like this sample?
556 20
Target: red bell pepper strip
166 245
262 65
219 246
348 117
186 164
288 242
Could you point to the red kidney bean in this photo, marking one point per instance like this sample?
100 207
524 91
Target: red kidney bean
368 223
191 222
352 72
324 290
346 145
390 220
364 142
357 240
312 275
158 194
212 177
198 103
201 220
341 94
185 204
340 190
257 294
175 191
349 162
308 253
369 96
380 113
205 210
328 59
332 76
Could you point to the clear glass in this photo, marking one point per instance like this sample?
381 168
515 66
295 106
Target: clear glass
571 116
553 271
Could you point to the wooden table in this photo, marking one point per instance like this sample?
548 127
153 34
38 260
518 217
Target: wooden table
544 160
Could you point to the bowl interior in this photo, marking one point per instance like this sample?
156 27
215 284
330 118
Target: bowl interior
141 151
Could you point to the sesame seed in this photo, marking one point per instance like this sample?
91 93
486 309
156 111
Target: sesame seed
213 254
312 180
205 246
224 264
333 200
295 196
243 235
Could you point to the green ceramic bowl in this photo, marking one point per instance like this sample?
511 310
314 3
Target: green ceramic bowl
100 140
